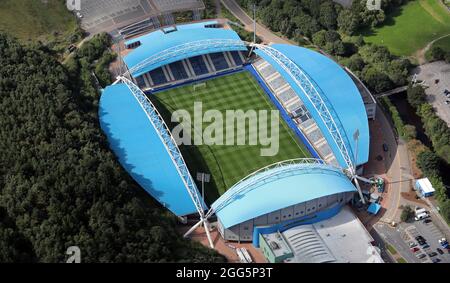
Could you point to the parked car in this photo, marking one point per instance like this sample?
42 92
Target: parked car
421 216
427 221
440 251
385 147
419 256
412 244
425 246
436 260
415 249
420 238
432 254
443 242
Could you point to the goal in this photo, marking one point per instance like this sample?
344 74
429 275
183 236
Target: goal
199 86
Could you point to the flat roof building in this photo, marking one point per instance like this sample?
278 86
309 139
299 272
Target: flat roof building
425 187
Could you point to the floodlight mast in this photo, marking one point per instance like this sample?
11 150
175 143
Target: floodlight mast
254 23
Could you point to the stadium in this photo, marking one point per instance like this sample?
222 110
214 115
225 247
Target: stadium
291 205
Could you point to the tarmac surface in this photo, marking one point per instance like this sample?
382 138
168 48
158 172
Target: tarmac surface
436 75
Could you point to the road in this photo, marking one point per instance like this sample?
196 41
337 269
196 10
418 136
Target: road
420 54
396 165
265 34
393 237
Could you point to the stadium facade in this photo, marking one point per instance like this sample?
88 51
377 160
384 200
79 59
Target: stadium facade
316 97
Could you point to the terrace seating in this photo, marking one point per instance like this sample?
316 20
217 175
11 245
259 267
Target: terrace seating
178 71
198 65
237 58
158 76
267 71
140 82
219 61
277 83
286 95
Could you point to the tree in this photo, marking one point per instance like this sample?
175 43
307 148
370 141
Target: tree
436 53
416 96
397 71
445 210
407 213
376 80
347 22
355 63
428 162
328 16
410 132
60 185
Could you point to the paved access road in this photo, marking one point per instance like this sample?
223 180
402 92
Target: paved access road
265 34
396 164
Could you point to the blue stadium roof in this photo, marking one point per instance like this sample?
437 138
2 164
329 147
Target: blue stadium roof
278 188
338 89
140 150
158 41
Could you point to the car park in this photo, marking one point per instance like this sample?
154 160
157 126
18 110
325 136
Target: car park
415 249
444 243
421 216
419 256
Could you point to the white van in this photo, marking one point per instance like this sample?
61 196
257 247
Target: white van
421 216
419 211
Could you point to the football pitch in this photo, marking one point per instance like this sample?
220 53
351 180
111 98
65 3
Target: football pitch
227 164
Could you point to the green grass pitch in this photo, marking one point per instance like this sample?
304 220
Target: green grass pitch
227 164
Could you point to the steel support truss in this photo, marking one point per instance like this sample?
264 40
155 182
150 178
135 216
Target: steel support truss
318 100
288 167
313 94
171 147
217 45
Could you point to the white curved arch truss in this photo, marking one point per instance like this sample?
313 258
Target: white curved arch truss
288 167
317 100
189 48
168 141
314 95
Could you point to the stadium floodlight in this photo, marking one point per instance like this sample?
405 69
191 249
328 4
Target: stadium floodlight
171 146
